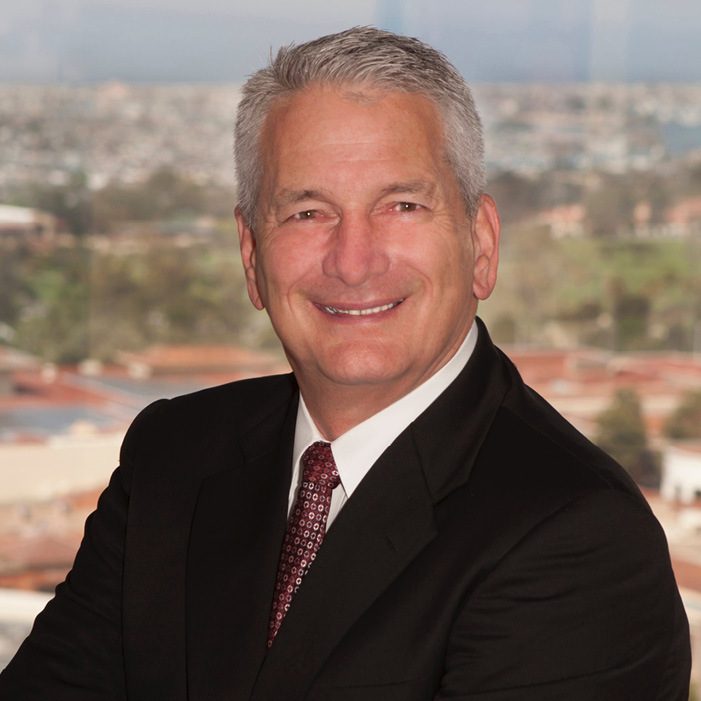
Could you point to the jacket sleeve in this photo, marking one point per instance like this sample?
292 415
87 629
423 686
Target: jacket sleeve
584 607
74 651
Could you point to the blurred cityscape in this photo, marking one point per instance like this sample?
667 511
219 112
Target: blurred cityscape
121 133
119 284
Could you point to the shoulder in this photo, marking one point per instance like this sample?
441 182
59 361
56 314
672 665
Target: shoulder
242 399
534 467
571 559
547 448
177 424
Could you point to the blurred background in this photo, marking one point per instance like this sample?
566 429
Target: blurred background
119 273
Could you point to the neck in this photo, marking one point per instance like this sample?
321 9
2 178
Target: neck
336 410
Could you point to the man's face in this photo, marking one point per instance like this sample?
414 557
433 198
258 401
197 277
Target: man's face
362 252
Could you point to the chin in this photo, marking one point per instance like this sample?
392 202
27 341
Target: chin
365 366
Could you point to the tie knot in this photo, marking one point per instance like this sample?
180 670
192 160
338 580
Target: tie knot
319 465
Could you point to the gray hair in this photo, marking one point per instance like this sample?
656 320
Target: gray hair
362 55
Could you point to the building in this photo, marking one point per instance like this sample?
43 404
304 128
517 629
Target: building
681 479
26 223
581 383
237 362
12 361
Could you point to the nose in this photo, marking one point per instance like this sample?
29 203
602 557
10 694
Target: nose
356 251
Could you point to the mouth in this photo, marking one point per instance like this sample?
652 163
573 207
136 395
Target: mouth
360 311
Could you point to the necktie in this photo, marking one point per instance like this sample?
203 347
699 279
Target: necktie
306 528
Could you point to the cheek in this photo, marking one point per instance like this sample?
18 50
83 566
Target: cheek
460 263
280 271
445 267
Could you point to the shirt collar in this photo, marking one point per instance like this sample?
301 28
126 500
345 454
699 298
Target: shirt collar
357 450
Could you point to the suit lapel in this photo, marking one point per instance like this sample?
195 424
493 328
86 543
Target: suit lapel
237 530
379 531
450 433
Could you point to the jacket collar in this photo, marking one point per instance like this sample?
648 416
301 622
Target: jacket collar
449 434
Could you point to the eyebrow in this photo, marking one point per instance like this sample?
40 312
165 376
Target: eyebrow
285 197
410 187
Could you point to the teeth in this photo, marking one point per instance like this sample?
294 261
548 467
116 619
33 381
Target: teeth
361 312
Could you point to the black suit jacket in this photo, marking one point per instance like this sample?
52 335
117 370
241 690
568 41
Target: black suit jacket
490 553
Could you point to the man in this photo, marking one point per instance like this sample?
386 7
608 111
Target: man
456 540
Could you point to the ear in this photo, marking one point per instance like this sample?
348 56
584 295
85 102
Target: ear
485 243
247 243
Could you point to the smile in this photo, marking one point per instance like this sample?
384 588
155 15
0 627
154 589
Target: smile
362 312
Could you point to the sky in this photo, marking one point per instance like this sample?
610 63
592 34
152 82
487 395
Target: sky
78 41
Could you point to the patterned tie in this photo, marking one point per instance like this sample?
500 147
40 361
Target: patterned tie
305 529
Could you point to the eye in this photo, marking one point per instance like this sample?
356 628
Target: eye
306 214
406 207
319 215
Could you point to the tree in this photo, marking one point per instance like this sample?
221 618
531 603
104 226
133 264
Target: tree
165 194
516 194
53 322
621 432
71 202
610 208
685 421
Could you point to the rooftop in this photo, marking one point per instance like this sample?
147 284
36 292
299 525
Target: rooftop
12 360
92 398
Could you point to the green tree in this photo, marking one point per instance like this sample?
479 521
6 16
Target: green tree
621 432
610 207
14 284
165 194
516 195
166 294
685 422
71 202
630 317
70 303
53 324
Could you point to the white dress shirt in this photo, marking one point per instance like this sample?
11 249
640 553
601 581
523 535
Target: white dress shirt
357 450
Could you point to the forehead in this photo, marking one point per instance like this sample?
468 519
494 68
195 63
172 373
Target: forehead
322 127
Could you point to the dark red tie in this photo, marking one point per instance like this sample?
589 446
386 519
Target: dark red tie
306 528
